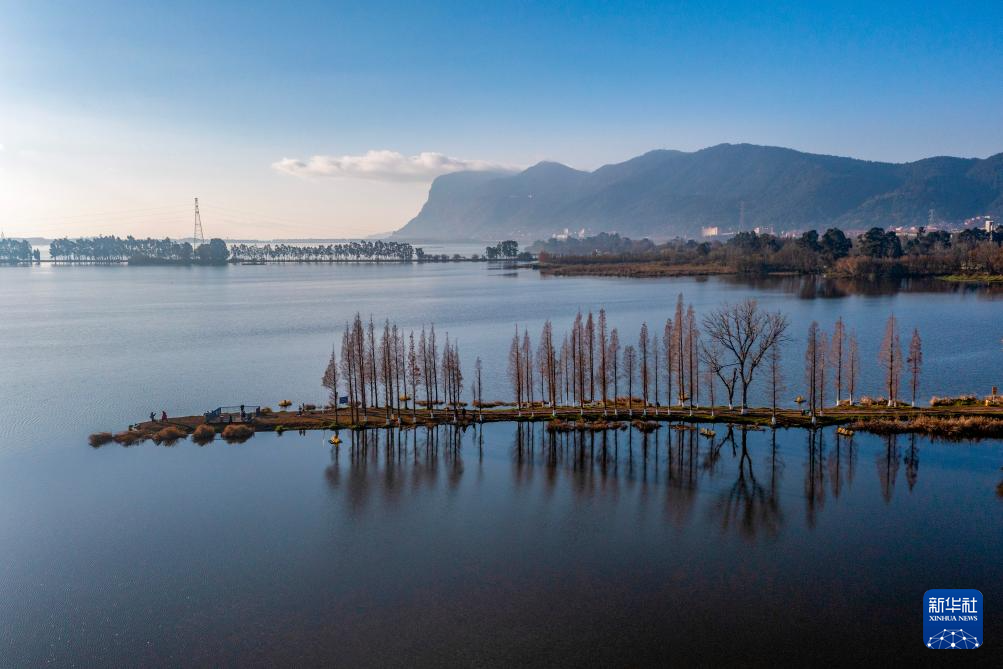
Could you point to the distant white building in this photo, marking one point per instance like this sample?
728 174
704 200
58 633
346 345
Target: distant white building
710 231
988 223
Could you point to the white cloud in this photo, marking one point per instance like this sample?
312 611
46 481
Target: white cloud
383 166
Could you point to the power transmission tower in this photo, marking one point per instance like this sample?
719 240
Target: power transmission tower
199 236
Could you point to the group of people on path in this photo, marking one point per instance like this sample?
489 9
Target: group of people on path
153 416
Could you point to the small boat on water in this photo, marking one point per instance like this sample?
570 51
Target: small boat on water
844 431
707 433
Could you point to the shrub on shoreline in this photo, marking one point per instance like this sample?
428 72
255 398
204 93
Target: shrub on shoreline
236 434
130 437
959 401
967 427
203 435
168 435
100 438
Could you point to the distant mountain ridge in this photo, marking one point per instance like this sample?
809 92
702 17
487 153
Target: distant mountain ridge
665 193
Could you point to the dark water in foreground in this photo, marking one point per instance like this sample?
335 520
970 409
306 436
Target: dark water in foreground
505 546
280 551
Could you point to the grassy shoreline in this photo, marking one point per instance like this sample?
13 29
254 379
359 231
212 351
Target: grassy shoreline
951 422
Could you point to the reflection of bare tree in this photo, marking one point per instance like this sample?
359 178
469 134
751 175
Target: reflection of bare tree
392 463
912 463
814 485
888 466
681 482
813 287
747 505
841 464
712 457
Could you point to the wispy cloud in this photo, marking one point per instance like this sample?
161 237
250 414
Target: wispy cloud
384 166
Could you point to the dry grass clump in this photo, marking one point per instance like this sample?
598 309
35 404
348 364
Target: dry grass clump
866 401
168 435
130 437
558 425
959 401
100 439
433 403
645 425
203 435
967 427
236 434
487 405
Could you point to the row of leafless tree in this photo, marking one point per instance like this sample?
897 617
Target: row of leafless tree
834 361
728 349
588 365
394 366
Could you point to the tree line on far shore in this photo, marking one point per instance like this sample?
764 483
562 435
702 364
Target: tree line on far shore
216 251
875 252
117 249
16 251
355 250
680 363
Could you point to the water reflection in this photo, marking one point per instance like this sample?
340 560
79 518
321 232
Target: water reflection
394 463
734 476
888 466
819 287
749 505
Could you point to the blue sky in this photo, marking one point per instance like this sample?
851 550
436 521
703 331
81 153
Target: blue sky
108 108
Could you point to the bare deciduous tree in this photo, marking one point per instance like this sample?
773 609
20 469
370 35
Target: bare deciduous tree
590 344
747 334
515 369
852 365
413 375
614 356
776 378
890 358
712 355
811 360
629 367
680 349
603 368
330 381
836 356
669 347
643 355
915 361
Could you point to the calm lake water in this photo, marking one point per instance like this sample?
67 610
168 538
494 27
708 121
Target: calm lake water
484 547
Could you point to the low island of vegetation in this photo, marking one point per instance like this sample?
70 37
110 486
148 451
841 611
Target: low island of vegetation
689 370
972 254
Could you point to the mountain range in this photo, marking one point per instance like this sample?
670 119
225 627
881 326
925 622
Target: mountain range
664 194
